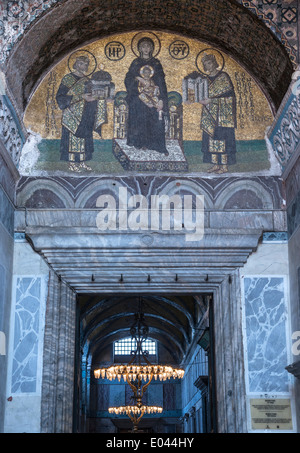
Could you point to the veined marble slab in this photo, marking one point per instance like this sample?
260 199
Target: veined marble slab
265 319
26 335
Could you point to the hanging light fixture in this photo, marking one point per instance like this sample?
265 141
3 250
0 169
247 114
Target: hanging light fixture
138 370
135 413
131 372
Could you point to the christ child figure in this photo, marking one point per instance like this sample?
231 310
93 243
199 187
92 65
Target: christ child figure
149 92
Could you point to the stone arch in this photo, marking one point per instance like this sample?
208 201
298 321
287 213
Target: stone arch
34 187
189 187
222 23
99 187
261 197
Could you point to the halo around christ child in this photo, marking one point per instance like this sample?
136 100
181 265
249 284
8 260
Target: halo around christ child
83 53
136 39
209 51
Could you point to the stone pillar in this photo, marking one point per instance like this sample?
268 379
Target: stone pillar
59 356
229 363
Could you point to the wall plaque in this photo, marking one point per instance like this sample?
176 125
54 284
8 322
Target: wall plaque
271 414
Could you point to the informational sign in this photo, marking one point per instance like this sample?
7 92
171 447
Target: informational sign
272 414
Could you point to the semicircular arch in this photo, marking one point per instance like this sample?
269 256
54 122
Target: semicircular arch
222 23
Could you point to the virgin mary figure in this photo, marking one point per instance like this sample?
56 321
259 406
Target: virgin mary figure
146 121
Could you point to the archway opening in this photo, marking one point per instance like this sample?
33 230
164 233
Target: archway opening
180 335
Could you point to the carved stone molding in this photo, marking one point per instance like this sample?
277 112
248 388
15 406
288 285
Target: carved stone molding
230 193
284 135
60 326
10 134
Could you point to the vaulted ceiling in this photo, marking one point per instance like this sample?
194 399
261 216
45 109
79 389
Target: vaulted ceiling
173 320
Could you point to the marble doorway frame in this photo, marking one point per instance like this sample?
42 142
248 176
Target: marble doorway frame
83 261
59 356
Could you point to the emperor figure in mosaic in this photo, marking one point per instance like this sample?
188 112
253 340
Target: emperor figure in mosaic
218 121
83 101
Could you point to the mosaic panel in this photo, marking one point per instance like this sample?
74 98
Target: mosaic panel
265 316
149 101
26 332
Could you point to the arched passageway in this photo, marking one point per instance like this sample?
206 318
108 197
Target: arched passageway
181 328
93 277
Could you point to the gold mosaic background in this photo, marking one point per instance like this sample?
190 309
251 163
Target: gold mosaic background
253 112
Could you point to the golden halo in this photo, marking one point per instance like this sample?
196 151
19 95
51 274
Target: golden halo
143 34
81 53
149 67
210 51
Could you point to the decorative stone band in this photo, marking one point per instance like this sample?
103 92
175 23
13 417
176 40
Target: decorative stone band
284 135
10 130
277 29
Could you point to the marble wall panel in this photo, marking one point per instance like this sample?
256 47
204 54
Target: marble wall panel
265 320
6 268
2 340
294 282
2 293
26 335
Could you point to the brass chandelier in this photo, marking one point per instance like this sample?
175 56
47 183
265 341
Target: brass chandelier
138 374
